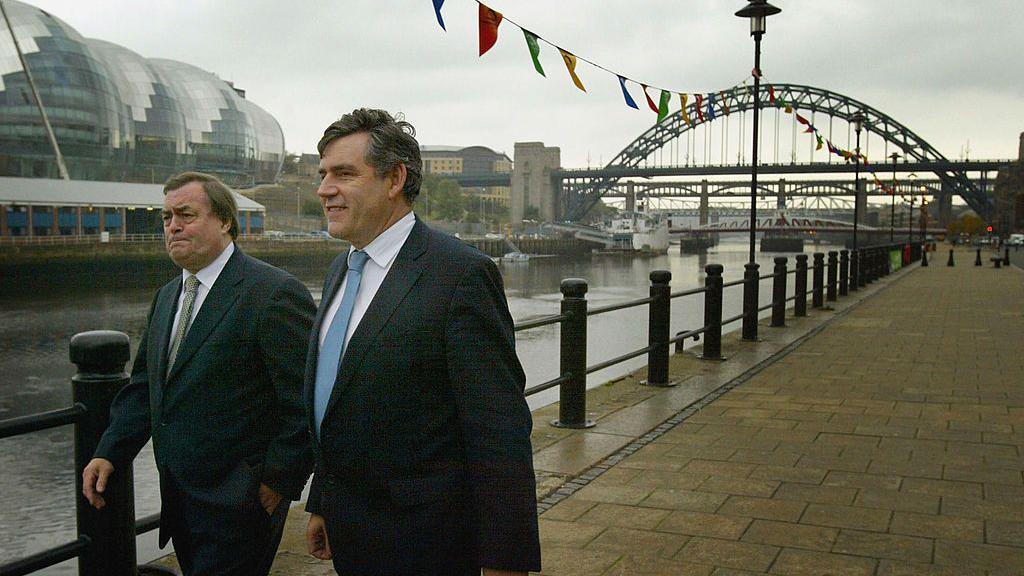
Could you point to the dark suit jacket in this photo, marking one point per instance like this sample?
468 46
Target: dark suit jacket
230 413
424 461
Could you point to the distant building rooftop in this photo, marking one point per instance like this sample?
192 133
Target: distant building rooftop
47 192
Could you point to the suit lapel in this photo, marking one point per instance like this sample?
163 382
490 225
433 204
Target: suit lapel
219 300
400 279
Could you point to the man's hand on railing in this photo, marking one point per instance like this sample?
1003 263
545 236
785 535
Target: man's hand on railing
94 481
316 538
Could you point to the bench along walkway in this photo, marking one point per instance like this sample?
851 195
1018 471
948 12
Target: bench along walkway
891 442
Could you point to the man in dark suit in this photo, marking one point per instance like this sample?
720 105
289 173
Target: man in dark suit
414 390
217 384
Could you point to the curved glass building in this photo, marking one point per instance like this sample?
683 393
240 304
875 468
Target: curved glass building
120 117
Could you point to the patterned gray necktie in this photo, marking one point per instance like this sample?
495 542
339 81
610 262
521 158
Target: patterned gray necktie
191 289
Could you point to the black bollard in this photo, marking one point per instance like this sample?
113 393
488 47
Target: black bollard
817 295
660 311
101 356
779 292
977 257
1006 255
844 272
572 395
924 256
713 313
751 279
800 303
830 286
950 261
998 261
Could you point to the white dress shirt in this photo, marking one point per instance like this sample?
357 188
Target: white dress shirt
381 254
207 276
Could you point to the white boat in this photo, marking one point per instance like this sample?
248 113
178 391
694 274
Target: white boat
639 232
515 257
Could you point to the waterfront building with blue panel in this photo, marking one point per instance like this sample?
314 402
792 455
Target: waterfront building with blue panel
36 207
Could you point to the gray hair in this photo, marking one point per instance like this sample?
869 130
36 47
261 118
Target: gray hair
392 142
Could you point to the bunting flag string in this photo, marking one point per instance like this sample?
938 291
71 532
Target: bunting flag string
489 20
625 94
531 43
437 10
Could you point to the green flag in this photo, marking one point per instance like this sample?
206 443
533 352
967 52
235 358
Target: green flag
531 41
663 105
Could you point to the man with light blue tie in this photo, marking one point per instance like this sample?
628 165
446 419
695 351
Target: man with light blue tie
421 433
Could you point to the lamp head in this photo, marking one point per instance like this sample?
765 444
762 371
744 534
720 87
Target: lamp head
757 11
858 121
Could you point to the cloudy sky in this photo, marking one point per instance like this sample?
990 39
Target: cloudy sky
948 70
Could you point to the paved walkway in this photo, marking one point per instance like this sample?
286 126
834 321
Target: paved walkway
892 442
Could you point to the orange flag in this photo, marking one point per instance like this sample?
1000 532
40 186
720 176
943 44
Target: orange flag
570 65
489 21
682 109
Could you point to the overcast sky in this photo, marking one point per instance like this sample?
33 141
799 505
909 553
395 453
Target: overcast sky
949 70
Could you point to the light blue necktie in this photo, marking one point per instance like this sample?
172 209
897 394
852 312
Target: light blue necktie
334 343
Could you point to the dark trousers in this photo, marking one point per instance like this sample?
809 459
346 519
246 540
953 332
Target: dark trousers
212 540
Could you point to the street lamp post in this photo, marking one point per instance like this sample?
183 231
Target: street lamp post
855 263
924 212
757 11
892 193
910 220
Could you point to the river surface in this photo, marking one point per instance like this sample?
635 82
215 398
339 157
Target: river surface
37 483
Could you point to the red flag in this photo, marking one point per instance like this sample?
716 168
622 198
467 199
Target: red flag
725 105
653 106
700 113
489 21
771 94
801 119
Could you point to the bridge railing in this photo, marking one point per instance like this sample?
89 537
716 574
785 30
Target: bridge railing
106 541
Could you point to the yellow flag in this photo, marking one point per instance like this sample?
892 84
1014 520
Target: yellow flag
570 65
682 109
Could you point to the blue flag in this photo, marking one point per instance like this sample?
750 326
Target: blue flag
625 94
711 105
437 10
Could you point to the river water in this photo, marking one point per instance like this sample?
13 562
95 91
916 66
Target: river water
37 484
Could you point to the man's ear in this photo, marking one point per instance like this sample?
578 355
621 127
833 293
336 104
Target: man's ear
396 180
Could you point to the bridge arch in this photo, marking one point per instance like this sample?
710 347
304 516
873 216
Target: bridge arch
803 98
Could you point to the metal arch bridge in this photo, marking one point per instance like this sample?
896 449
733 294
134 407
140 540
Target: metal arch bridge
784 224
737 188
805 98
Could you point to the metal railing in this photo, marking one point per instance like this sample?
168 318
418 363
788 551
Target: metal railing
106 541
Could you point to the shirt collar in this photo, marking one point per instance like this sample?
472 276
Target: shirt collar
383 249
208 275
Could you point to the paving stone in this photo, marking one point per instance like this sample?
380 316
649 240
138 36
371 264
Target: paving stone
892 568
614 494
837 463
1005 532
942 487
794 562
716 468
786 474
630 541
937 526
704 524
984 474
728 553
790 535
984 509
853 517
566 534
738 486
770 457
986 556
859 480
623 516
569 510
817 494
684 500
617 476
766 508
908 469
648 566
875 545
561 561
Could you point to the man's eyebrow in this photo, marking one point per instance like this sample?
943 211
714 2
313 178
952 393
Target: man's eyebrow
336 167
